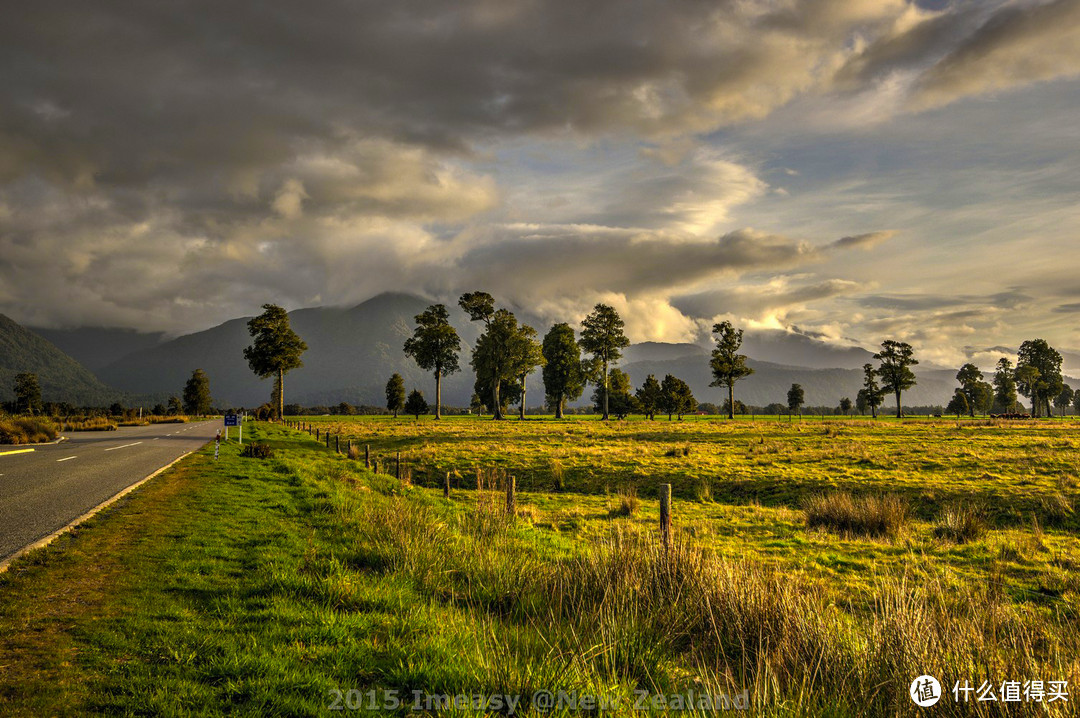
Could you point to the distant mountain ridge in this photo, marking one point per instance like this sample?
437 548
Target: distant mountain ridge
61 377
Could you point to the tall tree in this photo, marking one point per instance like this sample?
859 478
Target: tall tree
602 336
564 378
1042 389
395 394
728 366
27 393
872 394
795 398
491 360
1064 399
175 405
276 349
676 397
416 404
434 346
970 377
1027 380
896 359
620 401
1005 386
197 399
526 355
845 406
650 396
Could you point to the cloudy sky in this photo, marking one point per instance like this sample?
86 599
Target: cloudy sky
853 169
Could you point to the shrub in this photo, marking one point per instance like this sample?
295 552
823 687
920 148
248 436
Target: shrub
960 524
354 452
856 516
257 450
96 423
27 430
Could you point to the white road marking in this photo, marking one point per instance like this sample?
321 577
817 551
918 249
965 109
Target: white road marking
114 448
67 459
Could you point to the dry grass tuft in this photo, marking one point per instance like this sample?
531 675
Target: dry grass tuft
845 514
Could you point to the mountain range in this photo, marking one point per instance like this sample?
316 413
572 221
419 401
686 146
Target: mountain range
352 351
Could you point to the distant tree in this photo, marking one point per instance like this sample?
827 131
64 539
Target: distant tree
491 359
276 349
872 394
795 398
861 402
526 354
728 366
564 377
650 396
159 410
602 336
774 409
982 397
845 406
415 404
434 346
476 404
1076 401
896 359
1027 379
1005 387
707 407
395 394
677 397
175 406
116 409
969 377
1044 386
740 408
27 393
1064 399
620 401
197 401
343 409
958 404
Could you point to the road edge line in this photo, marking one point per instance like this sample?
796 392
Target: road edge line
42 543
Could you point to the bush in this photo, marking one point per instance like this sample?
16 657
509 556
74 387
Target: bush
960 524
257 450
27 430
850 516
97 423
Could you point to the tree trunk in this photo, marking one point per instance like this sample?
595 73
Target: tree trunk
438 393
281 394
731 400
606 392
899 411
873 411
497 409
558 406
523 378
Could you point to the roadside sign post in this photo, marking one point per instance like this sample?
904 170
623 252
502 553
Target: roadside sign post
233 420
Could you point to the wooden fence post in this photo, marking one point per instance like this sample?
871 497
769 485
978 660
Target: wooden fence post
665 514
316 433
327 435
397 466
367 456
446 486
337 443
511 498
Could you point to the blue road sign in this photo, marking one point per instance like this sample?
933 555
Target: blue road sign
232 420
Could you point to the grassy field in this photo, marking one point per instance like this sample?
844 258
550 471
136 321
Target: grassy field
262 587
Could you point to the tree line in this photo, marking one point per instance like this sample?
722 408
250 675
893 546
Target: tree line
507 352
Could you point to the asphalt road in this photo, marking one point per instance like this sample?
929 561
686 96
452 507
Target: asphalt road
46 489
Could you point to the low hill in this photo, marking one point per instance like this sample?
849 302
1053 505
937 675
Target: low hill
61 377
97 347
